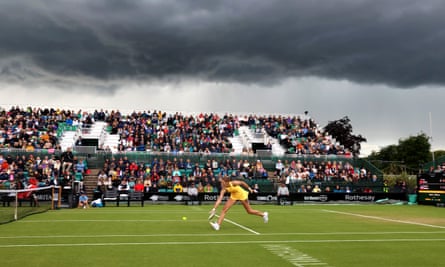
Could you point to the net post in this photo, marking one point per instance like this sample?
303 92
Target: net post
16 205
52 198
60 196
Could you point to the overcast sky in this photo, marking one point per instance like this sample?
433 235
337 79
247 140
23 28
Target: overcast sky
381 63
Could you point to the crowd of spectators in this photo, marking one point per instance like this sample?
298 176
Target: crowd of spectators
300 134
175 175
209 133
37 128
22 171
31 129
303 176
321 171
440 168
179 173
162 132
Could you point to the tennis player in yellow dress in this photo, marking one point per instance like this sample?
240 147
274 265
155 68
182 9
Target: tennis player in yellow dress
237 193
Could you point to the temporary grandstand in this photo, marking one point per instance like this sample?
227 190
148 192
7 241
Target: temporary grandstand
247 147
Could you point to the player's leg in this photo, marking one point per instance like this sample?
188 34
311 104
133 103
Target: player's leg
249 210
229 203
227 206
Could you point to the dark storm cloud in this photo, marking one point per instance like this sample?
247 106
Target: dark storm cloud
394 42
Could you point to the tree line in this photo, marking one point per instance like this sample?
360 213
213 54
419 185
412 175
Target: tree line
410 156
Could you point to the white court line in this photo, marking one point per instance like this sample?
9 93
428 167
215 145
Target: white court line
96 220
113 236
385 219
53 221
90 211
239 225
242 227
293 256
198 234
227 242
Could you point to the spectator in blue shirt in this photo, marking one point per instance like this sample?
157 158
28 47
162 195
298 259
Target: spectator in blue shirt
83 200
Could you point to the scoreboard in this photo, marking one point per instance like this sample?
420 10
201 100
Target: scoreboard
431 188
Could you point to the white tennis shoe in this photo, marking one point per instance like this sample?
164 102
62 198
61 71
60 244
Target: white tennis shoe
266 217
215 225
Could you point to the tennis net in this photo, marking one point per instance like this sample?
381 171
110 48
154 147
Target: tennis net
16 204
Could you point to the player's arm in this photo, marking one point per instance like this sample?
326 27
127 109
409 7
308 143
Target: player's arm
218 201
220 198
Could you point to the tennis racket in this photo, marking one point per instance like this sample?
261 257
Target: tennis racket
212 214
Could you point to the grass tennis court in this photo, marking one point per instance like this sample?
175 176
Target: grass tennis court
300 235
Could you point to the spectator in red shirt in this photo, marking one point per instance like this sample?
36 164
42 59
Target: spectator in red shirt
133 166
139 186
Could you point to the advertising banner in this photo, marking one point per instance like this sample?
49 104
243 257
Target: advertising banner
295 197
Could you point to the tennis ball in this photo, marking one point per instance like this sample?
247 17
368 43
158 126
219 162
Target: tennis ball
184 218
